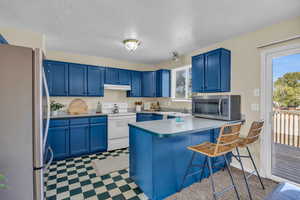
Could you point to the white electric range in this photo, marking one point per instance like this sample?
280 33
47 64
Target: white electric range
118 130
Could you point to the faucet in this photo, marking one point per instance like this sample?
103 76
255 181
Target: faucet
115 109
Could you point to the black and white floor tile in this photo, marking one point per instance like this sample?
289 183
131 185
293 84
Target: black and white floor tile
75 179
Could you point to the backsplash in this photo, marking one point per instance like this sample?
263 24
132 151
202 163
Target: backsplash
120 96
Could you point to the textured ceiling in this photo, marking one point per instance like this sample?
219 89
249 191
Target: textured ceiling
97 27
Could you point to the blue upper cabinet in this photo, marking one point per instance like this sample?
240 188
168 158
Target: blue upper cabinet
124 77
136 84
77 80
211 71
149 84
57 77
163 83
111 76
117 76
95 81
198 64
3 40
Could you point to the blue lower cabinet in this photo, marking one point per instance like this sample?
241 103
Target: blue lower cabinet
141 117
58 140
77 136
171 117
98 137
157 117
79 140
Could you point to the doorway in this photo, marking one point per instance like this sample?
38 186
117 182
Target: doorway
280 100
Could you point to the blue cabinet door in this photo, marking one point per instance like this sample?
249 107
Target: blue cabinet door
163 83
95 81
79 139
111 76
58 140
198 64
157 117
148 84
141 117
57 77
212 72
77 80
124 77
225 70
136 84
98 137
3 40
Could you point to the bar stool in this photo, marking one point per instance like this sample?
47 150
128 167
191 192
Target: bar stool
227 141
252 137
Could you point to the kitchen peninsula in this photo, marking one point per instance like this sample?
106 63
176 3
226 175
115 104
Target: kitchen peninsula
158 153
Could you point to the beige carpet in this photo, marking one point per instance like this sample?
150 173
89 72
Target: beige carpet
202 191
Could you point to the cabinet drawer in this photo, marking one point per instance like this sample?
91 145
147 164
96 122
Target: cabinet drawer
96 120
76 121
58 122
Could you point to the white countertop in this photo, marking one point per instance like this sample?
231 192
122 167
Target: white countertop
66 115
179 114
171 127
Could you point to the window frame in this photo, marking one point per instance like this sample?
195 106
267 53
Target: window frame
173 83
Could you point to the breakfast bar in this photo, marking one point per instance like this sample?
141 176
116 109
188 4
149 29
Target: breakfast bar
159 155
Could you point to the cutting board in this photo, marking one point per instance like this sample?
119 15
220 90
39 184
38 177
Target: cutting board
77 107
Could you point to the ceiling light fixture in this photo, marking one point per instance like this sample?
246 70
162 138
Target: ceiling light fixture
175 56
131 44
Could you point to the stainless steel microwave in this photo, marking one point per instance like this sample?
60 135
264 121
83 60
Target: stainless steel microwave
222 107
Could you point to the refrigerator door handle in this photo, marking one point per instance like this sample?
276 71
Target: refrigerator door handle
51 158
48 109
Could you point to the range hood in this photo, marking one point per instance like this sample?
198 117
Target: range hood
117 87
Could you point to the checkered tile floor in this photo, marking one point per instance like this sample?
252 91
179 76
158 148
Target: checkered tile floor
76 179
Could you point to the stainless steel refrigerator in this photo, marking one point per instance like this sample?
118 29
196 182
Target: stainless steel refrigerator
24 122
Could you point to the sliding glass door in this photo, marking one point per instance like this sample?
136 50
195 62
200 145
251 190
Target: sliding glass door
285 152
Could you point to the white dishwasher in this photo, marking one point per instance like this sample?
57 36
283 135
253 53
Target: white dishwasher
118 130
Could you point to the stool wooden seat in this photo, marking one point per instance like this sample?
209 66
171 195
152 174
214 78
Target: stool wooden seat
253 136
227 141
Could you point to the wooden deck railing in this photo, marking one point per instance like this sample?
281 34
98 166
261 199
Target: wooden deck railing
286 127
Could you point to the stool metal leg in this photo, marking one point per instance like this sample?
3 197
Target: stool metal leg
262 185
245 178
229 172
211 178
203 170
187 170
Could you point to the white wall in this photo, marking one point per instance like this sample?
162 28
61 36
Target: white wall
23 38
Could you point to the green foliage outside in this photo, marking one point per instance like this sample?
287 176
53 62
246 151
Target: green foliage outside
2 178
287 90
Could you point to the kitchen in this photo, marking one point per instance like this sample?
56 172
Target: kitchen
121 122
